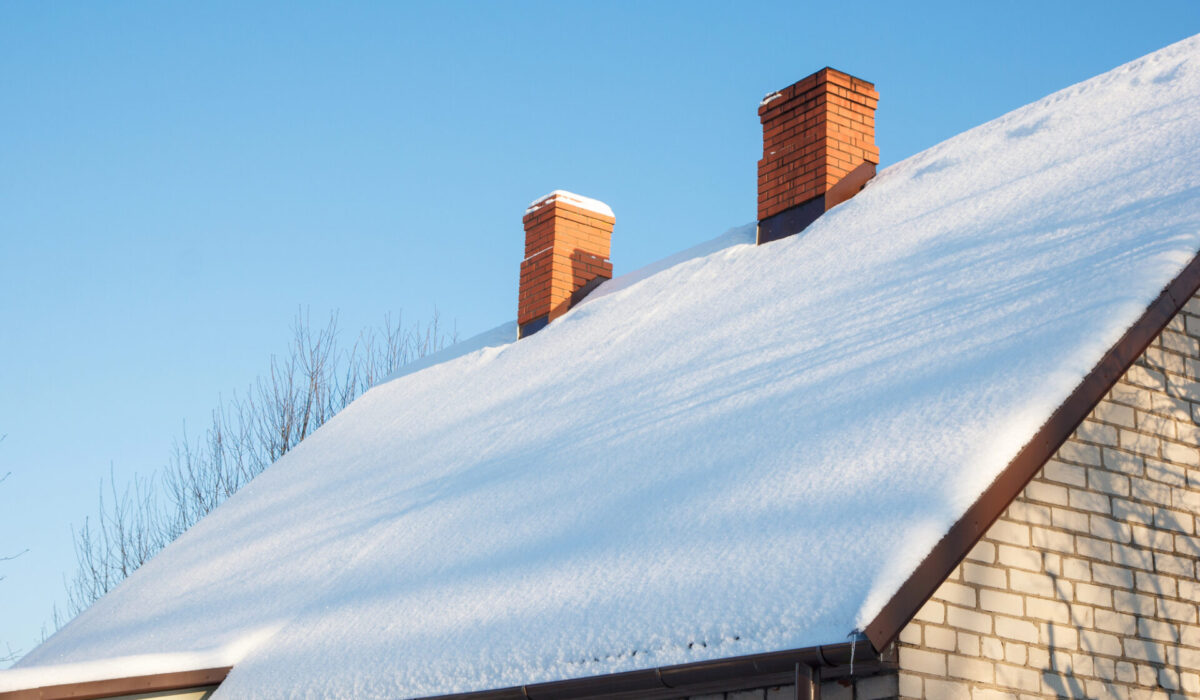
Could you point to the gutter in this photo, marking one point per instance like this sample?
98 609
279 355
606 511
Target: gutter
206 678
805 667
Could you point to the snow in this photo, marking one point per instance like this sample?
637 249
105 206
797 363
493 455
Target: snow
742 449
573 199
771 97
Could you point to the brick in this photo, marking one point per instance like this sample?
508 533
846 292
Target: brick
1053 540
996 601
1156 424
910 686
985 575
1144 650
1123 462
1112 576
1109 529
1025 512
1171 564
969 669
1130 395
1140 443
1145 378
1179 611
1157 630
968 619
968 644
983 551
1116 622
1088 455
1010 532
1167 519
1155 584
1093 595
1132 556
1015 653
1094 548
941 638
1108 482
956 593
1088 500
1020 557
931 611
1153 491
920 661
1098 433
946 690
1070 519
1037 584
1181 454
1100 642
911 634
1115 413
1018 630
1077 569
1065 473
1018 677
1127 601
1046 493
1186 658
1184 499
1051 610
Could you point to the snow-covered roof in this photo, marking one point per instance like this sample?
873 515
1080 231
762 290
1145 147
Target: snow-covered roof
742 449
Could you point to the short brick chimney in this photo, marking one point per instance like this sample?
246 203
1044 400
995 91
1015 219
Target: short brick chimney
818 150
567 244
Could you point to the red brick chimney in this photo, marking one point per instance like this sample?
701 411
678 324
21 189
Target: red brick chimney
818 150
567 244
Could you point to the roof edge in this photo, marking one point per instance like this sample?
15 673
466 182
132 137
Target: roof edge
962 536
91 690
750 671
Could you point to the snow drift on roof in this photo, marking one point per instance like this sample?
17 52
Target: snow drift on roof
745 451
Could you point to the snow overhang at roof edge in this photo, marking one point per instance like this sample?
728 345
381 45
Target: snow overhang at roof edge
962 536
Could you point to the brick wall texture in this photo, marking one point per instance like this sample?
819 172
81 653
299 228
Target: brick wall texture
814 133
1087 586
565 248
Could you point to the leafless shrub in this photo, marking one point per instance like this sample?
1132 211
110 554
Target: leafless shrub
301 390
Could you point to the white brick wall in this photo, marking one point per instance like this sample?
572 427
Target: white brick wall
1087 585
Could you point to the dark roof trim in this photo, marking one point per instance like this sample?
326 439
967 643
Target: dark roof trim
741 672
92 690
954 546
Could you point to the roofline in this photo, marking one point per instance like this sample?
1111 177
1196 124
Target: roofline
91 690
750 671
955 544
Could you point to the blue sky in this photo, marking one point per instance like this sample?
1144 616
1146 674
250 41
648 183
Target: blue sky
178 179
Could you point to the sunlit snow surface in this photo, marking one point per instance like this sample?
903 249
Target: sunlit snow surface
746 450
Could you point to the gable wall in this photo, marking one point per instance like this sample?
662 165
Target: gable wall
1087 585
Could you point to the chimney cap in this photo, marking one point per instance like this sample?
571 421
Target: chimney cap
575 200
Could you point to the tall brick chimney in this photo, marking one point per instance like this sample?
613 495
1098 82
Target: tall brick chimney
567 244
818 150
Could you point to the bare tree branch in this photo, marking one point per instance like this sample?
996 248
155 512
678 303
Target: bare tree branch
300 391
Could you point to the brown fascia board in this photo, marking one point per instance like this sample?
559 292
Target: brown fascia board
953 547
93 690
740 672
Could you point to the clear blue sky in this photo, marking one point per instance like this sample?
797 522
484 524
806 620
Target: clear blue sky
175 180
